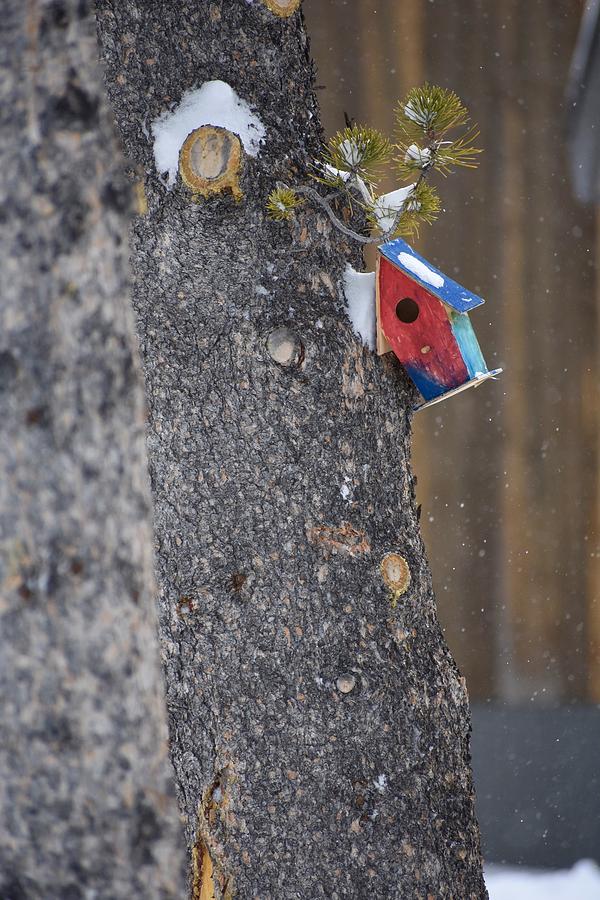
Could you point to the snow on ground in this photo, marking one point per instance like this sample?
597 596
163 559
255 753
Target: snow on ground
215 103
359 290
582 882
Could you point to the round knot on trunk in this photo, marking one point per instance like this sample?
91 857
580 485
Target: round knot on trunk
395 573
346 683
285 347
210 161
282 8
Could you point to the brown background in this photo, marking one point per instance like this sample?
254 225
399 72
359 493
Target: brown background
508 473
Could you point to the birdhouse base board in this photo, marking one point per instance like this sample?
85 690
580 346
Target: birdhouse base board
473 382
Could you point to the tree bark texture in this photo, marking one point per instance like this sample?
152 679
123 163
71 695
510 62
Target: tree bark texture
319 734
87 804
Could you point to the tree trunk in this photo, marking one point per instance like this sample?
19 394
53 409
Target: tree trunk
86 802
319 732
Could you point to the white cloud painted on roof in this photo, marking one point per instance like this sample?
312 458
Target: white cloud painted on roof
215 103
418 268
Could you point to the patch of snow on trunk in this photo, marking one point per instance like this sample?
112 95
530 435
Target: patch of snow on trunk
381 783
359 290
419 269
215 103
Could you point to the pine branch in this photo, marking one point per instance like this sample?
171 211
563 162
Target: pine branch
429 110
347 163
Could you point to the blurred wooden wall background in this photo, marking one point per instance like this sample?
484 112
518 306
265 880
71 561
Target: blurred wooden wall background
508 474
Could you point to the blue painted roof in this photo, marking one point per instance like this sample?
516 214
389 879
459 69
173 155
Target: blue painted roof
420 270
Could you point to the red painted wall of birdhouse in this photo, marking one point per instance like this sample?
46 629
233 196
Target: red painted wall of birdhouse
426 346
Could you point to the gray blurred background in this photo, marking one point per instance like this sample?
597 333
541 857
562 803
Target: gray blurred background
507 474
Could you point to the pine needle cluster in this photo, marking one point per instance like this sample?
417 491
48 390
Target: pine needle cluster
423 120
282 202
351 159
421 208
357 150
430 109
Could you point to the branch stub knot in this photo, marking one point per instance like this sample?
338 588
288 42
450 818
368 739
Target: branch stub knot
395 573
283 8
210 161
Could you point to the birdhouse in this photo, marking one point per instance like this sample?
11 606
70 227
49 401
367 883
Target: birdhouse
422 316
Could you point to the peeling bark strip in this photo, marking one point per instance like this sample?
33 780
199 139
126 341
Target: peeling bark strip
343 719
209 880
87 807
343 538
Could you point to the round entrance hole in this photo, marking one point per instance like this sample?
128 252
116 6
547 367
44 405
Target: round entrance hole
407 310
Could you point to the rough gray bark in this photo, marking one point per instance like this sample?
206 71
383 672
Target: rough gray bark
87 806
319 735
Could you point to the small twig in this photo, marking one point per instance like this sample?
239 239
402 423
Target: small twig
349 232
